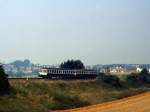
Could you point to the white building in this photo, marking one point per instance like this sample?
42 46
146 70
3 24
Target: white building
138 69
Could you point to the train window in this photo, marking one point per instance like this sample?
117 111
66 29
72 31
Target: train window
44 70
53 71
70 72
82 72
61 71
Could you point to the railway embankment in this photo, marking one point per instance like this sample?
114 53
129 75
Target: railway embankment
42 95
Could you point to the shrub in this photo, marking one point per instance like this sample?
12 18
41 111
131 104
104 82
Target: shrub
60 101
139 79
132 78
4 84
144 76
111 80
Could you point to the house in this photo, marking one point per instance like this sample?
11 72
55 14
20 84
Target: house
117 69
138 69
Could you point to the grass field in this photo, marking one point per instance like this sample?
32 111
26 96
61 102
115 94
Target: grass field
43 96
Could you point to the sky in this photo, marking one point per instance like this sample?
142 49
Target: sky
94 31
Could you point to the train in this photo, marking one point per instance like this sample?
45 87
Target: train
58 73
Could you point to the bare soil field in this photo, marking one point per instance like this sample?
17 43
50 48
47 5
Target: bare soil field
138 103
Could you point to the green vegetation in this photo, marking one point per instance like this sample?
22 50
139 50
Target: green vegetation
21 74
4 84
72 64
142 79
46 95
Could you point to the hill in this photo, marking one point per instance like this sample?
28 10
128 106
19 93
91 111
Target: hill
19 63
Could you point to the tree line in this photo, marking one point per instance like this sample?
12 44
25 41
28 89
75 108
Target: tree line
4 84
72 64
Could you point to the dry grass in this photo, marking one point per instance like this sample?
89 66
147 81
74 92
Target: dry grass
43 96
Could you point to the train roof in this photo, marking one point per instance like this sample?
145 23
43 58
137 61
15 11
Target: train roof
68 69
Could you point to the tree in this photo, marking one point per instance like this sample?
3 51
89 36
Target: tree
72 64
27 62
144 76
144 72
19 63
4 84
110 80
140 78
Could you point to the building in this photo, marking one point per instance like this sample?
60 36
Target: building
118 69
138 69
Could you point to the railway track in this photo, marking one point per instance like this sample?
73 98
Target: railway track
26 79
39 78
138 103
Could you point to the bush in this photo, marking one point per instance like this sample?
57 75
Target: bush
60 101
111 80
144 76
132 78
4 84
139 79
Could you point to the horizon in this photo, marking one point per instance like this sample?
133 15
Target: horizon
96 32
80 60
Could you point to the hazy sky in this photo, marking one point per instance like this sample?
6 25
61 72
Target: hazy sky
95 31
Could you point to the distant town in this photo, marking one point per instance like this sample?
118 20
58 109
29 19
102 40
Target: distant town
26 68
